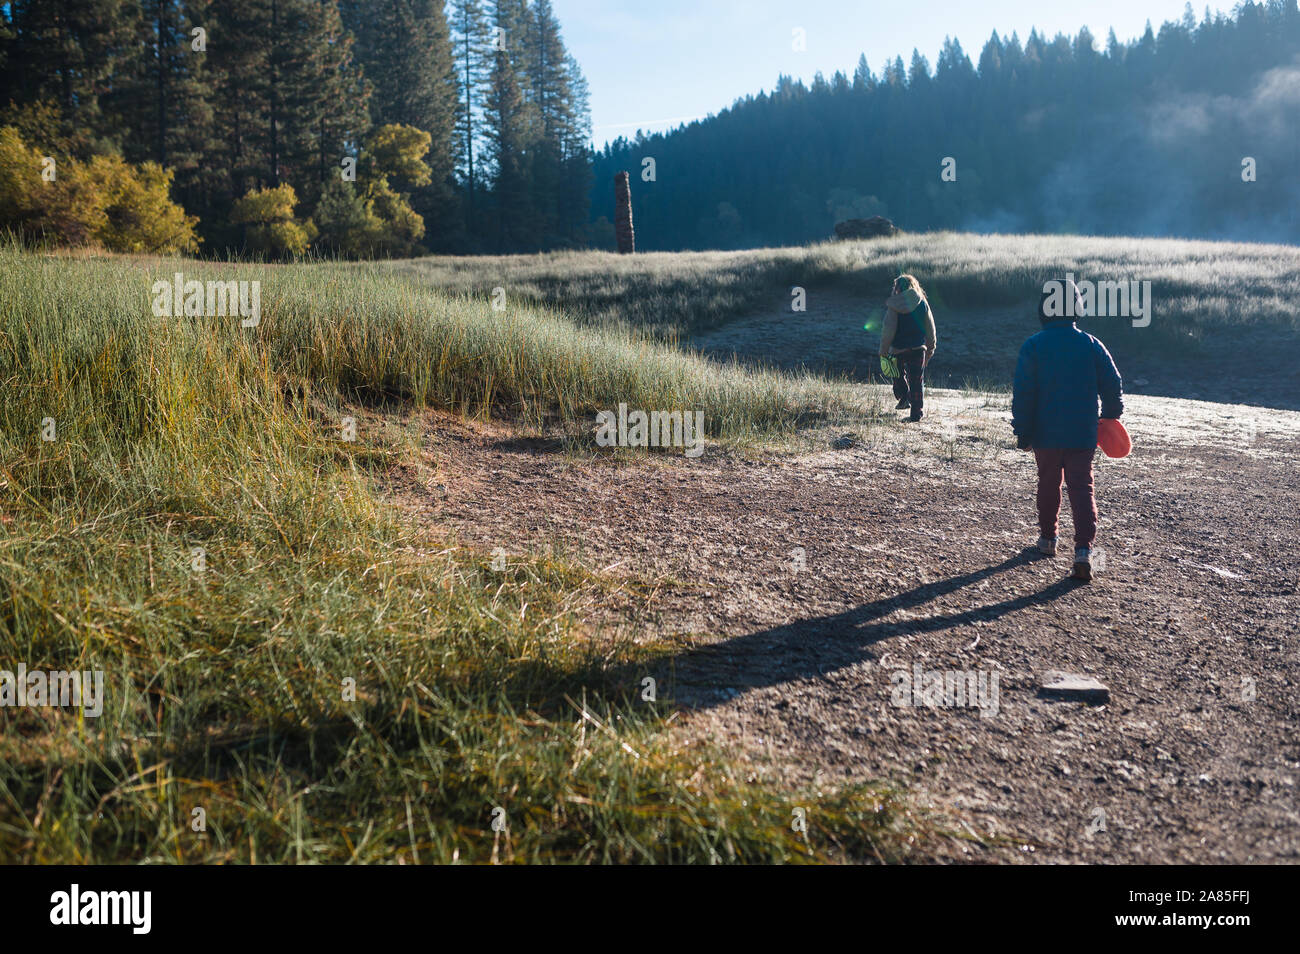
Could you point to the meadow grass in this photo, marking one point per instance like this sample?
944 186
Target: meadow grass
288 655
1194 283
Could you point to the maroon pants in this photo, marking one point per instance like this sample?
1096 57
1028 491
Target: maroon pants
1076 467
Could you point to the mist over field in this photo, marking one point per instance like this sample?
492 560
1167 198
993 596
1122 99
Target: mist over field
1076 135
1174 168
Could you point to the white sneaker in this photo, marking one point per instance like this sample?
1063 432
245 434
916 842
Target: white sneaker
1047 546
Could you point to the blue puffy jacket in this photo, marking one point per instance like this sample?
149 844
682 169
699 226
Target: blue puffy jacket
1060 375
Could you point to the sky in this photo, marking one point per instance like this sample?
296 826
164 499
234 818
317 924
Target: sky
652 64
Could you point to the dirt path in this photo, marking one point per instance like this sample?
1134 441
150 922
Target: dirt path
799 585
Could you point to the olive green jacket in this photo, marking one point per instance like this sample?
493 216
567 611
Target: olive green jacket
906 303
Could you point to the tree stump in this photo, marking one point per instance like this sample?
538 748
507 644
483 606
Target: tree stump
623 214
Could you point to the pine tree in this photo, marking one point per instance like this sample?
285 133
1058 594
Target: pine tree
345 94
70 52
558 95
863 81
990 64
163 100
576 178
547 70
239 59
918 75
287 94
470 46
507 128
317 102
404 47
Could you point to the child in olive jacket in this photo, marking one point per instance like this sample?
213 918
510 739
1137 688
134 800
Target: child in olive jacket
908 335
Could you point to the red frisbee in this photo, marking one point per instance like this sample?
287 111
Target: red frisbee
1112 438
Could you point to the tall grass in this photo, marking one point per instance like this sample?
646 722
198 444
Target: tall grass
357 332
197 530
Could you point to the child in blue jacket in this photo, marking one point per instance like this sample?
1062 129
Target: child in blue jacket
1061 375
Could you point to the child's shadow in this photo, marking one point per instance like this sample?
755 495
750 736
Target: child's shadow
815 646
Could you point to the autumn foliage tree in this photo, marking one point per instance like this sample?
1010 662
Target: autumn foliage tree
372 217
103 202
267 216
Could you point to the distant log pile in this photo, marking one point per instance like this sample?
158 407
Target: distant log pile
623 215
875 227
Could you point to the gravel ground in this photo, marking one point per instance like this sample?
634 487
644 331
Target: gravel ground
801 586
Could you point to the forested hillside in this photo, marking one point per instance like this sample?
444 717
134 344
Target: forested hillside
397 124
1188 130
